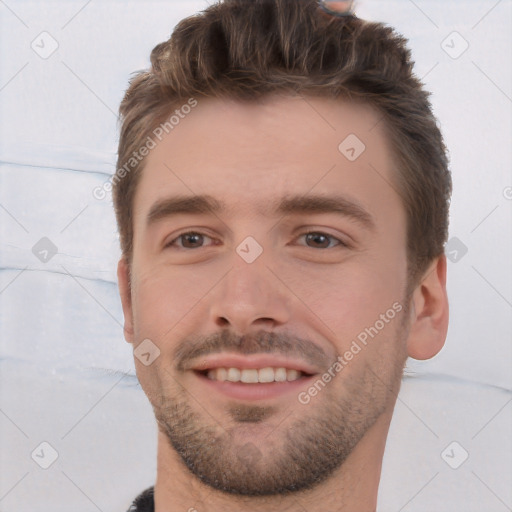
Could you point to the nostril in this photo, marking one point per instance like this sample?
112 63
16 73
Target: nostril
223 322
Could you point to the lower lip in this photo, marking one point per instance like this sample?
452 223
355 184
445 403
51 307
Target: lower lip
255 391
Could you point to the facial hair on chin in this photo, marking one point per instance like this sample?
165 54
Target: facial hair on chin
295 458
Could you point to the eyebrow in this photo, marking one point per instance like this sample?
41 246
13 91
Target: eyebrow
313 204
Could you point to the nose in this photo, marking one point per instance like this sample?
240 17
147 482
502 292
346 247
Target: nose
250 296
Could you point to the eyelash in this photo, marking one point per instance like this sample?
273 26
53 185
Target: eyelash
171 243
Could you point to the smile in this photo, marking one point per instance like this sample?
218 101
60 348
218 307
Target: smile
254 375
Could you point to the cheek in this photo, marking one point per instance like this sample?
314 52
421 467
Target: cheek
164 298
351 298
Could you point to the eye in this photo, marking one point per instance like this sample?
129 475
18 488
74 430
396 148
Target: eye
195 240
321 240
191 240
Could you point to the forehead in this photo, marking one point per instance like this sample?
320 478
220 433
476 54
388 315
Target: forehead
250 155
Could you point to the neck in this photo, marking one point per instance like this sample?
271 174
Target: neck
354 486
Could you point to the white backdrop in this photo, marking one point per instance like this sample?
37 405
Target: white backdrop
67 375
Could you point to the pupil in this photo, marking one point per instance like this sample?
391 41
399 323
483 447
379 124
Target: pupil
316 236
192 237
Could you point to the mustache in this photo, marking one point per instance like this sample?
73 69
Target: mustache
260 342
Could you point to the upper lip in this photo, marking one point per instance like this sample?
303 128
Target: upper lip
257 361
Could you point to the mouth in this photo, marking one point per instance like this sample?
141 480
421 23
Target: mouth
255 378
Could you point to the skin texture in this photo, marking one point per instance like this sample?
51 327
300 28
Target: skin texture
306 297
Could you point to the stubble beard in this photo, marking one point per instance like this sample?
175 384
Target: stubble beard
298 454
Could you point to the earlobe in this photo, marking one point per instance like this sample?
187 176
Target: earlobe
429 323
123 279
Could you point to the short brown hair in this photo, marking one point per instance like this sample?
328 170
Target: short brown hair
246 49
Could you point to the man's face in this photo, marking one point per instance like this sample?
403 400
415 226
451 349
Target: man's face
226 293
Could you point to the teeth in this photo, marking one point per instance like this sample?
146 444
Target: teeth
233 375
292 374
253 375
249 376
219 374
266 375
280 374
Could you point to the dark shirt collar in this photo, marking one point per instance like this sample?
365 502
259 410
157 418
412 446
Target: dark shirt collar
144 502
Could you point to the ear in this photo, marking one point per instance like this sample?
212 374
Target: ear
429 313
123 279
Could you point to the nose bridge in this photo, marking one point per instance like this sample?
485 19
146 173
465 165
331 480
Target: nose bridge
250 293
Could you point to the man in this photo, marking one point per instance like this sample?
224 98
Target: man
282 198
